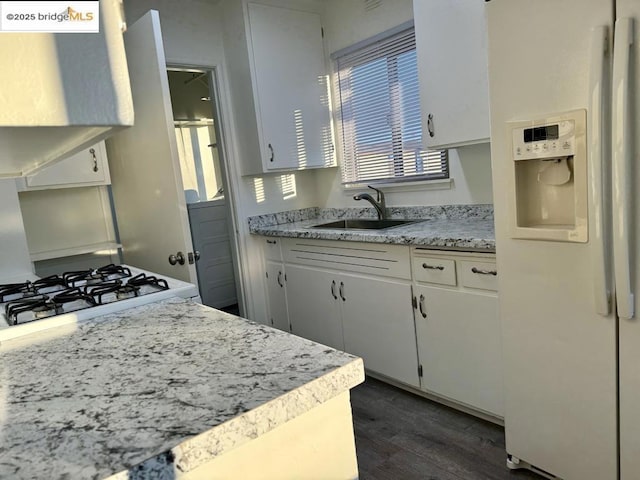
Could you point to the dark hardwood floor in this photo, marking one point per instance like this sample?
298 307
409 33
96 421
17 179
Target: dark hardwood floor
401 436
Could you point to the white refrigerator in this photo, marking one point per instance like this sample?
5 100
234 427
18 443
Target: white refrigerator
568 231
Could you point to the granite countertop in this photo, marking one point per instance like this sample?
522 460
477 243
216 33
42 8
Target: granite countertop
457 227
148 391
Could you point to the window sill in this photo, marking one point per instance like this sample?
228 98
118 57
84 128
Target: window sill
418 186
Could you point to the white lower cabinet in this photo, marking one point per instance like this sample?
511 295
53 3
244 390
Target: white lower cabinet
377 321
365 316
314 311
426 319
459 346
276 295
458 330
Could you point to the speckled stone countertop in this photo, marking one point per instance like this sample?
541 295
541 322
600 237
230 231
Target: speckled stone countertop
154 390
452 227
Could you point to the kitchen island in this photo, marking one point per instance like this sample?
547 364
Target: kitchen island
174 389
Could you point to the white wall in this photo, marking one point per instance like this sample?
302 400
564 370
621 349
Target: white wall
64 218
470 171
191 32
347 22
190 29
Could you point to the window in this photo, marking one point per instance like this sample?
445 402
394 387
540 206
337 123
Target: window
380 119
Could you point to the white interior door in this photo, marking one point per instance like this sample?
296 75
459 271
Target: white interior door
145 171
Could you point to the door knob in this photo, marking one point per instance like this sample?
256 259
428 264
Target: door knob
177 258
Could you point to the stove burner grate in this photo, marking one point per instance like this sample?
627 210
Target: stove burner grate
16 290
73 295
112 270
120 292
40 305
49 284
95 276
143 279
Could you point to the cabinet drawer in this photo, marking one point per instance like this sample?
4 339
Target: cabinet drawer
271 246
479 275
434 270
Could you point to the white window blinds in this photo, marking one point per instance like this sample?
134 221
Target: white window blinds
380 114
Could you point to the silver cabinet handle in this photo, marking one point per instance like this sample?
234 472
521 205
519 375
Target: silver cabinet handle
484 272
272 153
342 292
271 242
430 125
280 279
92 151
333 290
421 304
432 267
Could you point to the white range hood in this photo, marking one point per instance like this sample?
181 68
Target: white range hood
60 93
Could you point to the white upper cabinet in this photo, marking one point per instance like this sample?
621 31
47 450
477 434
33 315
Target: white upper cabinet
451 46
279 87
88 167
61 92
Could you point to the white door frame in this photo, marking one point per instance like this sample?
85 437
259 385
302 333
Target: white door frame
229 173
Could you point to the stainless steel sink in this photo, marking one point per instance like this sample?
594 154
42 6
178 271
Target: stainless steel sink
363 224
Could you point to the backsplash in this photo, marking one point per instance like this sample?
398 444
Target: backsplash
435 212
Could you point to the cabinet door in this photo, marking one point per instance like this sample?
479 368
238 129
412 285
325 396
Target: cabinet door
291 88
451 45
314 312
88 167
459 346
276 297
378 325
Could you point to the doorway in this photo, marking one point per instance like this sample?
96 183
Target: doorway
201 154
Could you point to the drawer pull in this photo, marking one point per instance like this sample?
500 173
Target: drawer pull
342 292
424 315
333 290
271 242
280 279
484 272
432 267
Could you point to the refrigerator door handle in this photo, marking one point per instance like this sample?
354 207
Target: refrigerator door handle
621 172
597 136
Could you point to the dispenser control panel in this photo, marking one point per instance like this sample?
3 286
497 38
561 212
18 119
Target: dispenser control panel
552 140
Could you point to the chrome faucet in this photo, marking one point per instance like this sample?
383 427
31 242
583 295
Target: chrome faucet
379 204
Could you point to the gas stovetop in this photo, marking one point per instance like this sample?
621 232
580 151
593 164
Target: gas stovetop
104 290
